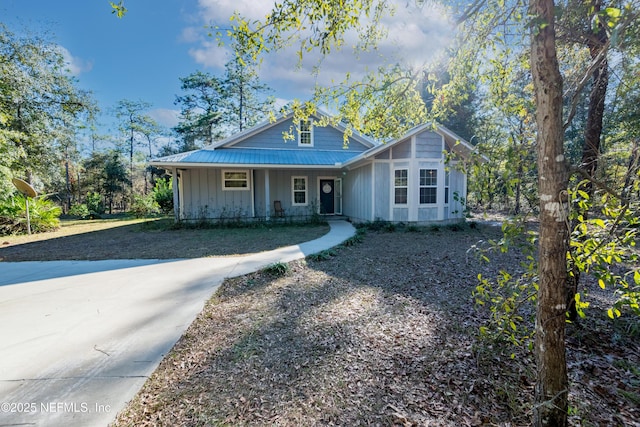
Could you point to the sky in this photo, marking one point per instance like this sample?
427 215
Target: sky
143 55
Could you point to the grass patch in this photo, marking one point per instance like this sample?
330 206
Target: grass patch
322 255
277 269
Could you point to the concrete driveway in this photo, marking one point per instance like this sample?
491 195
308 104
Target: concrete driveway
79 338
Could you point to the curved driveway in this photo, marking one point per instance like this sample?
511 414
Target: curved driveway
79 338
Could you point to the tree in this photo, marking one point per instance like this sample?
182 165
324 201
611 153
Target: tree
137 127
242 89
40 108
201 115
106 174
213 107
552 383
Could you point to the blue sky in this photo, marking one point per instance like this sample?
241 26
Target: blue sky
143 55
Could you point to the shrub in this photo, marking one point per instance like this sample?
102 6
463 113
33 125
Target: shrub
322 256
455 227
163 194
356 238
44 215
143 206
95 204
277 269
389 227
80 210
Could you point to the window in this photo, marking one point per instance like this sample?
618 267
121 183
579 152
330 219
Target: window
428 186
305 134
299 188
401 183
235 180
446 187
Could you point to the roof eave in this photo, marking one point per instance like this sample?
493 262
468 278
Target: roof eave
186 165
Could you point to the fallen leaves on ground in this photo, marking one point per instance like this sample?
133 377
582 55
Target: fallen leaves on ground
383 333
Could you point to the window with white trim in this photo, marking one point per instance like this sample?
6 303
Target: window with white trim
401 185
235 180
428 186
305 133
299 188
446 187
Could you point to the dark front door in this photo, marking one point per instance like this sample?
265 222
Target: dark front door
327 196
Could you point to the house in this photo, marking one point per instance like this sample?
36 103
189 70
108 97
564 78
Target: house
258 174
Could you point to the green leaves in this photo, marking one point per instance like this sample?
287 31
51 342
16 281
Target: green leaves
43 213
509 297
603 245
609 17
41 109
118 8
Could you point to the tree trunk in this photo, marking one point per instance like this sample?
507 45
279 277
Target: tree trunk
599 84
592 136
552 384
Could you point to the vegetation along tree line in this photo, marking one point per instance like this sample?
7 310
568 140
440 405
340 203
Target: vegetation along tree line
546 90
50 135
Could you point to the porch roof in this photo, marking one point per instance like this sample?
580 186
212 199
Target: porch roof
257 157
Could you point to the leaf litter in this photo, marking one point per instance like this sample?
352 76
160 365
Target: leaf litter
382 333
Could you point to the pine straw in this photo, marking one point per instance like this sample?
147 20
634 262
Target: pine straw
384 333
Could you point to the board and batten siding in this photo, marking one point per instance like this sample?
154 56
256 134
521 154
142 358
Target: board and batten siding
422 151
324 138
458 185
357 190
261 207
280 182
383 192
204 197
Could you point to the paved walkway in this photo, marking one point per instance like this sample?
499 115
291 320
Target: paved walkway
79 338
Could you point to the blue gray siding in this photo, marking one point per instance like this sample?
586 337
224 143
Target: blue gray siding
429 145
457 197
402 150
358 197
367 189
204 197
382 201
325 138
423 151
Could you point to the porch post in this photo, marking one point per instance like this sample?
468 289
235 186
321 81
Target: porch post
267 201
440 180
176 195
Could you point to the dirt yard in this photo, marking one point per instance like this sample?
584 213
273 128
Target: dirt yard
382 332
150 239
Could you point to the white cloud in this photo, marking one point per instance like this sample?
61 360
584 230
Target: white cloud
165 117
219 11
415 37
75 65
211 55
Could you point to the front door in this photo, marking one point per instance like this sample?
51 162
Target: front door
327 199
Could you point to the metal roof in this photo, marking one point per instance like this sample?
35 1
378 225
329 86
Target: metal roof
257 156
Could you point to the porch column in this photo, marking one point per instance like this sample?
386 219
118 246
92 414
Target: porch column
253 192
413 184
176 194
440 180
267 202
